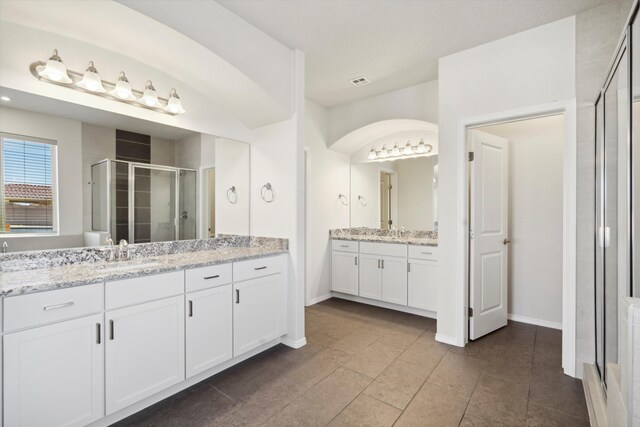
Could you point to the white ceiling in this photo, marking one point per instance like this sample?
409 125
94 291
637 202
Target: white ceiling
395 43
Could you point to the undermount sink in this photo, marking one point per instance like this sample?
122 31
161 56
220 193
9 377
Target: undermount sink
130 265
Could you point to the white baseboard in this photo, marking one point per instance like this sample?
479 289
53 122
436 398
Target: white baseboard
294 344
383 304
313 301
447 340
537 322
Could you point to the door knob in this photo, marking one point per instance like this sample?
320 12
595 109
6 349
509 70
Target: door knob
505 241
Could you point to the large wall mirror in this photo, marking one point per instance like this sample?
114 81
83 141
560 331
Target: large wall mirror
399 188
72 176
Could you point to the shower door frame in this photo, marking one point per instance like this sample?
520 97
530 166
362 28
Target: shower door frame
131 196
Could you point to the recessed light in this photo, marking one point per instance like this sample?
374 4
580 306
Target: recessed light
5 98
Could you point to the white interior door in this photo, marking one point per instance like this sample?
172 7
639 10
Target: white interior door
489 172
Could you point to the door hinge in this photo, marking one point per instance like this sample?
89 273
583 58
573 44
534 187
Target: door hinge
471 156
470 311
390 187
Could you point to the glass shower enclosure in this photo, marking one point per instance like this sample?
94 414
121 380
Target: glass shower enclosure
142 202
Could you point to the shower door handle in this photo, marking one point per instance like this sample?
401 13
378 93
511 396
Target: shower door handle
604 236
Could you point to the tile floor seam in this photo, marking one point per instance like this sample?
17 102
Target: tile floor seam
302 393
470 396
225 394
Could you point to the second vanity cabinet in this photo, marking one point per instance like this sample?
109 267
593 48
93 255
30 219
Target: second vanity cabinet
74 356
399 274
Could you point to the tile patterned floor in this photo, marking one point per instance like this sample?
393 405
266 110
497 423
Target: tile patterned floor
367 366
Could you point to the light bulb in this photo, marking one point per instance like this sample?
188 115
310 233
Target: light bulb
372 154
123 88
149 96
174 105
395 151
54 70
384 153
408 149
91 80
421 148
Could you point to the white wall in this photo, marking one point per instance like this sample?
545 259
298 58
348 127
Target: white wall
418 102
277 156
327 176
526 69
233 168
415 193
68 134
535 218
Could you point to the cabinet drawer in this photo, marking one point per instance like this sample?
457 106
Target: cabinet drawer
52 306
245 270
384 249
208 277
121 293
344 245
423 252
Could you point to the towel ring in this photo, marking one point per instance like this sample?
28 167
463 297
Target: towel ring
343 199
233 198
362 200
264 193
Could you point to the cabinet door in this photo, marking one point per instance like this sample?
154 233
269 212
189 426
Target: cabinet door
209 326
370 276
344 272
54 375
423 284
394 280
258 312
144 350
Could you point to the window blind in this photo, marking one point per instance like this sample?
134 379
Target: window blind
26 188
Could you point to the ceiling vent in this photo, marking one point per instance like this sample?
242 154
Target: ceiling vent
360 81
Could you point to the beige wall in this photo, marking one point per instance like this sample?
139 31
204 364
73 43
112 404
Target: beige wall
535 218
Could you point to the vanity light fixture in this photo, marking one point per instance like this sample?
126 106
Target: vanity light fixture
91 80
408 151
384 153
149 96
54 71
422 148
174 105
5 98
122 89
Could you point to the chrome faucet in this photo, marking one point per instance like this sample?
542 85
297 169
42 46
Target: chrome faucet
123 249
5 247
112 254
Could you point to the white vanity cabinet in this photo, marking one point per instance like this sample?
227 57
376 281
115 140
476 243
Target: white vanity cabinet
383 272
145 342
398 274
97 353
344 266
209 328
258 303
54 374
423 277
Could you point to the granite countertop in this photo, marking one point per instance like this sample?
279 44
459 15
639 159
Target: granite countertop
78 274
367 234
421 241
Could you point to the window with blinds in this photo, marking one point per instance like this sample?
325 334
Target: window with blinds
27 188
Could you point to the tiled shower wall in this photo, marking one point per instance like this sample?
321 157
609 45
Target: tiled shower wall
133 147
